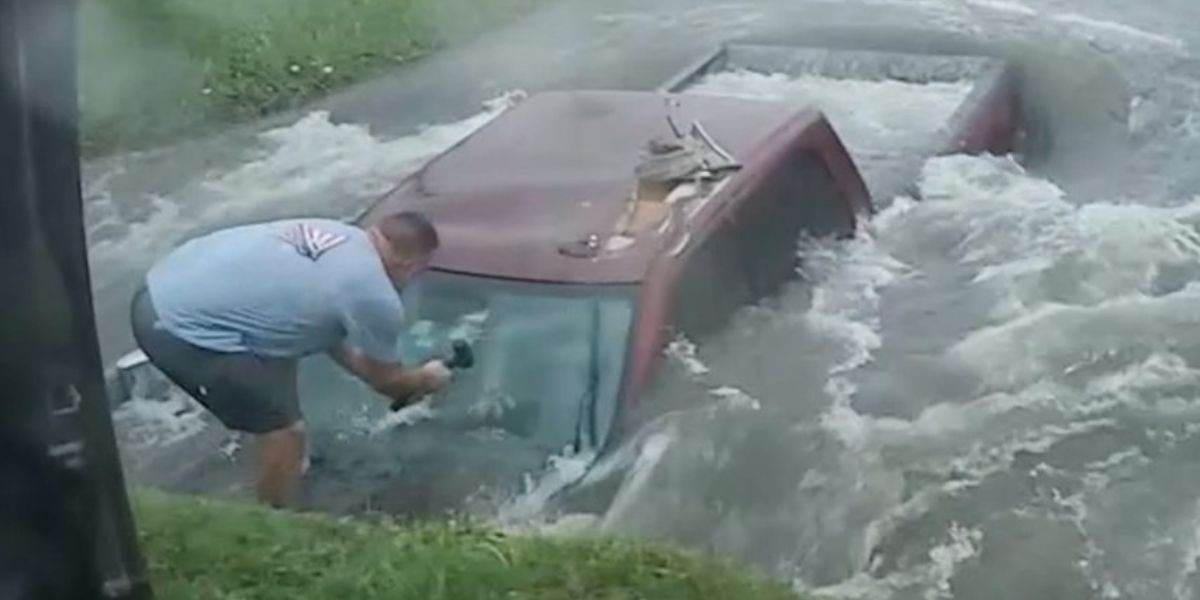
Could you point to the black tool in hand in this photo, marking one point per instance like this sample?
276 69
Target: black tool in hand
461 357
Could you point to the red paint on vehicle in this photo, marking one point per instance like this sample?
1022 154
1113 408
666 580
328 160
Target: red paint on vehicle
558 167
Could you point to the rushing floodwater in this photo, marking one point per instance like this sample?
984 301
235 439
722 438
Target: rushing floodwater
882 123
991 393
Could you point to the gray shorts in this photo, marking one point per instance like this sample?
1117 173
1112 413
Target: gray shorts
246 392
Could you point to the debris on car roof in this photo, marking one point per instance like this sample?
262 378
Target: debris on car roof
550 181
673 171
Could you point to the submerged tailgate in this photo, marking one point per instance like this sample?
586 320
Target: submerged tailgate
894 110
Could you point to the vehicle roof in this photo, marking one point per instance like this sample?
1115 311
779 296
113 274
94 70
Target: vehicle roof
557 167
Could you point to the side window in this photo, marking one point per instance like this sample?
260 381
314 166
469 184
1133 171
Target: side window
798 198
823 210
711 286
753 253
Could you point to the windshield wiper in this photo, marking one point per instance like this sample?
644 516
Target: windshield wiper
587 403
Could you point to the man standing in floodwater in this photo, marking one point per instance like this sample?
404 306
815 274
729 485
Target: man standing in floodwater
227 316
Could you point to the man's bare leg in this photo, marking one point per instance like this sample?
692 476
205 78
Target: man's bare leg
280 460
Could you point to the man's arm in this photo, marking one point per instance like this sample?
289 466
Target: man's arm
394 381
373 318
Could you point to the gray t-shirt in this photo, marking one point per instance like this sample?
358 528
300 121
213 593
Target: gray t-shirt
281 289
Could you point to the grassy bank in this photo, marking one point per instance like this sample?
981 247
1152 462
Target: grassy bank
154 70
205 550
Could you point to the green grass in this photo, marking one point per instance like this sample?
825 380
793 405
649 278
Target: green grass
155 70
201 549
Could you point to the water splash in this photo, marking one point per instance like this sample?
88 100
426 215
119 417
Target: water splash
311 167
146 423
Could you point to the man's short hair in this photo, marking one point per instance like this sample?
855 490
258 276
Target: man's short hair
409 233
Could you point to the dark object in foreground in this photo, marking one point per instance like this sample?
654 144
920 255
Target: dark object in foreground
47 525
461 357
65 526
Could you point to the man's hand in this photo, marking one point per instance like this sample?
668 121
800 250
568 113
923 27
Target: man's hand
435 375
394 381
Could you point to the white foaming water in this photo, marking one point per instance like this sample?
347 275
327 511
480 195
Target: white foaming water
684 351
1091 284
1018 352
1022 234
405 417
1184 586
1017 235
871 116
149 423
1094 269
1128 386
933 577
963 544
845 312
647 459
1006 225
526 510
311 168
735 398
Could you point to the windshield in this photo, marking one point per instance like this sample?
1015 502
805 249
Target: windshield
548 358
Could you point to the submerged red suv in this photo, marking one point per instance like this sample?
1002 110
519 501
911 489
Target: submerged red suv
584 230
